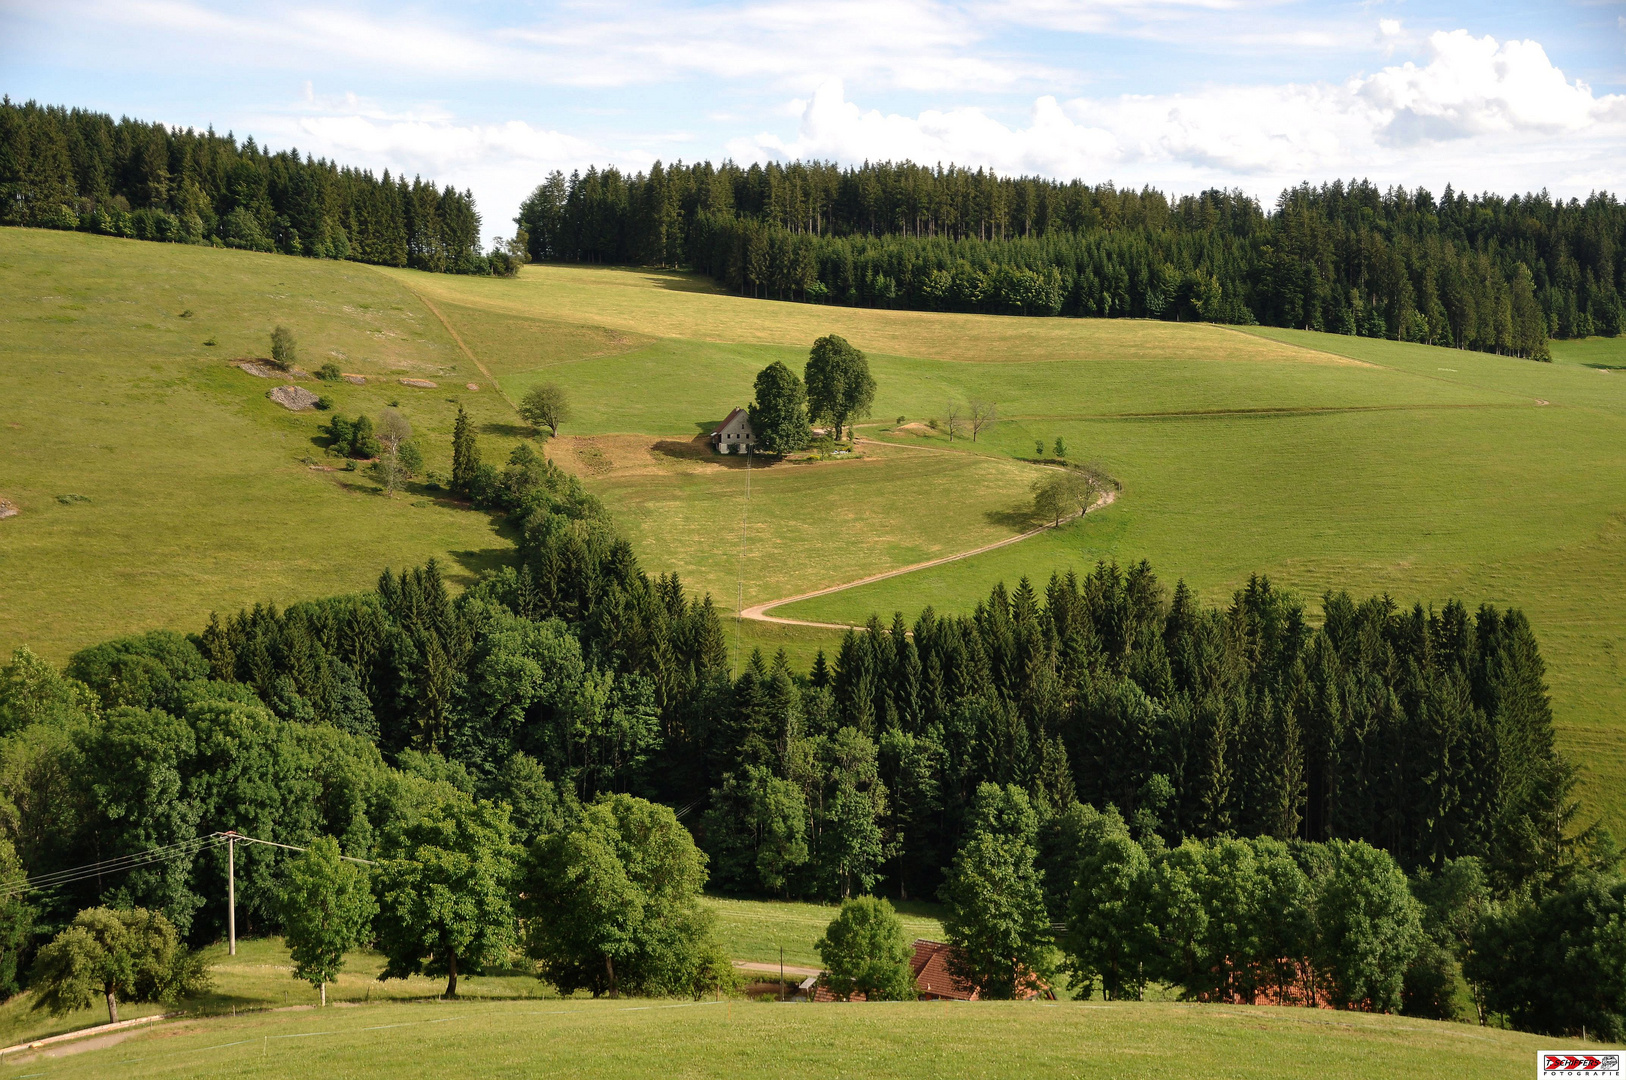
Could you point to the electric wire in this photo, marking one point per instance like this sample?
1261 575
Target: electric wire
118 864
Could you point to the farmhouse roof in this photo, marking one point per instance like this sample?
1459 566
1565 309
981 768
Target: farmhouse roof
932 979
729 419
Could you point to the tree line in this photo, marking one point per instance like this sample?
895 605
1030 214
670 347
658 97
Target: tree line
76 169
1487 272
541 716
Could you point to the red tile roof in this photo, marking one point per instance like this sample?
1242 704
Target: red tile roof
932 979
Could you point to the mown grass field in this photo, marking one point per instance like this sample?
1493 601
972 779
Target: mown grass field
1323 461
733 1038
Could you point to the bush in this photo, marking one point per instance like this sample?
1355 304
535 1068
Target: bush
329 372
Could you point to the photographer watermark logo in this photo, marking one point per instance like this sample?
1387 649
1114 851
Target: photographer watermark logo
1572 1063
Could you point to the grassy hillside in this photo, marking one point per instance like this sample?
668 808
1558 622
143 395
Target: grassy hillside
1323 461
738 1039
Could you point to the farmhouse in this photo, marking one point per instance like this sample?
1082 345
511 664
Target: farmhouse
932 979
734 435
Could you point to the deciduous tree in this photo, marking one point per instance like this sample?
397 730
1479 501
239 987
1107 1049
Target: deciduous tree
839 386
546 406
779 413
132 955
865 951
327 909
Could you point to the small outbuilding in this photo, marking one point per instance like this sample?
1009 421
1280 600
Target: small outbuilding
734 435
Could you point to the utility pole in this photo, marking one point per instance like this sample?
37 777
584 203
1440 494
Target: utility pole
231 893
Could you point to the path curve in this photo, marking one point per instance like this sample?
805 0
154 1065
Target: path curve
759 612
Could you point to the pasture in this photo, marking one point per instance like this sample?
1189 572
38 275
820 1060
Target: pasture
1322 461
735 1038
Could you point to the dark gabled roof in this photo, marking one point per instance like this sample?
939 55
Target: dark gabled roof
729 419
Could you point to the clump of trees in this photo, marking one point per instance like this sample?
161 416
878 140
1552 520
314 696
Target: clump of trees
1489 272
838 389
353 438
1066 493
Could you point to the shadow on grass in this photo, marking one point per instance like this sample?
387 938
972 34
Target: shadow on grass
706 427
508 431
1606 367
1021 519
477 564
699 449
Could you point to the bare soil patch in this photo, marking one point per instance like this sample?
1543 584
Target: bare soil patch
293 398
421 384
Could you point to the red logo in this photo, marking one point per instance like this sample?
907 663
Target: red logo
1573 1064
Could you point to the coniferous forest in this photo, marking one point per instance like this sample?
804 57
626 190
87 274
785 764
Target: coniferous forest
1487 272
75 169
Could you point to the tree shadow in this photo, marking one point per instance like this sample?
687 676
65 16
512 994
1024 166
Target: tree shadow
475 565
1020 519
1606 367
699 449
508 431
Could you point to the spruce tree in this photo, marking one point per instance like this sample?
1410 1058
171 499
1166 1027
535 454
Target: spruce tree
465 453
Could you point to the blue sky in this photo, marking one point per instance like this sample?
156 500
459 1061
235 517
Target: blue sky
1181 94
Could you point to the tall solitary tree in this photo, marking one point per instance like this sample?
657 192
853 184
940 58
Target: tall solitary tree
839 386
546 406
465 453
392 467
327 906
779 414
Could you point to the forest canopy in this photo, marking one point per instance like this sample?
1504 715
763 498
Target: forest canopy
1488 272
76 169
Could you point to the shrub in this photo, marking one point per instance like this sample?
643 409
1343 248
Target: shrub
329 372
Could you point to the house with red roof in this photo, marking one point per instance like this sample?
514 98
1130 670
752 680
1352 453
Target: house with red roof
932 979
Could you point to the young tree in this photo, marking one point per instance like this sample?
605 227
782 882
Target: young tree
327 907
133 955
953 419
997 921
443 890
983 414
546 406
284 350
865 951
465 453
779 413
612 903
394 431
1061 448
839 385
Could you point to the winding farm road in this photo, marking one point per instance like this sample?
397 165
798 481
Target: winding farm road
759 612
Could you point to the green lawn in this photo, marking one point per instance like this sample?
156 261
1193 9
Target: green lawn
629 1040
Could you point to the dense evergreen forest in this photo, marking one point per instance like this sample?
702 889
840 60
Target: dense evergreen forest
1482 272
74 169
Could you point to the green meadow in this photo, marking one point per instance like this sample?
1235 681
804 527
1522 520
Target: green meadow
734 1038
1322 461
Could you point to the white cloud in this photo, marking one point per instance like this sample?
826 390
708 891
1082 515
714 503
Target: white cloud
1474 86
1479 112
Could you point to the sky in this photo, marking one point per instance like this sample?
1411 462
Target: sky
1179 94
